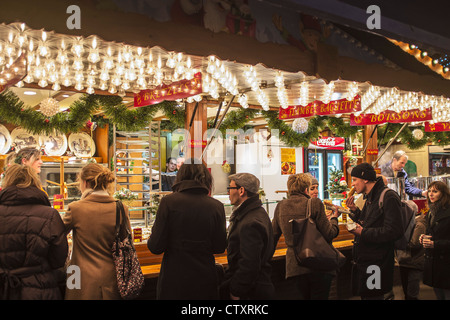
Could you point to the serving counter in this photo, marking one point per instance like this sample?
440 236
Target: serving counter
151 263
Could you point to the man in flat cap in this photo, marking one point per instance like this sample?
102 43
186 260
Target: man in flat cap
377 230
250 243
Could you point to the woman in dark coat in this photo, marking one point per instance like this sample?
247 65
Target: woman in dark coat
32 234
311 284
436 241
189 229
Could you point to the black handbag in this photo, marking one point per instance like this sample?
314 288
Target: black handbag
310 247
130 280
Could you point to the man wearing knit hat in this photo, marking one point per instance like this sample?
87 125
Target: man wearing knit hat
377 230
250 243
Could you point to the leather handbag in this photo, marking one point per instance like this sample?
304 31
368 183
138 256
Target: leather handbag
310 247
130 280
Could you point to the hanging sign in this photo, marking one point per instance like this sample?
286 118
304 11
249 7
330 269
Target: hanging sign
333 143
318 108
175 90
288 162
437 127
414 115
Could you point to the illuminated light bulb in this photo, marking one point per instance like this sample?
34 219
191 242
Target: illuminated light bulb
170 61
56 87
79 86
66 82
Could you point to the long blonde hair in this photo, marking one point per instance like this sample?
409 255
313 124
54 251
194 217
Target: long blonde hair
21 176
97 177
298 182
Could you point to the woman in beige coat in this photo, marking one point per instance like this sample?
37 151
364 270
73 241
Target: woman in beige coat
92 220
311 284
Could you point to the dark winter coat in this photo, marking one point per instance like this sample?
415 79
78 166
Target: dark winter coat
437 260
189 229
33 245
294 208
249 252
375 246
386 170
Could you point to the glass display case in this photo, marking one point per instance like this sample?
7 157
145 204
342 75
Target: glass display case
51 179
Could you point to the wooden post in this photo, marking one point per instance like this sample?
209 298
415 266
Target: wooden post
196 141
373 143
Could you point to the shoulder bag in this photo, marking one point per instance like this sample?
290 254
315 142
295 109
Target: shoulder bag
130 280
310 247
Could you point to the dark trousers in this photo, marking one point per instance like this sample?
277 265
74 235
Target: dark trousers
410 282
314 286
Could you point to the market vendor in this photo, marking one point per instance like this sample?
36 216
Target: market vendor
168 177
394 169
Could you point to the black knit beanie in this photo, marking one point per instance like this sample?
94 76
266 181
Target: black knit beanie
364 171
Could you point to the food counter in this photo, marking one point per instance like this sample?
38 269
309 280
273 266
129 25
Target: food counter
151 263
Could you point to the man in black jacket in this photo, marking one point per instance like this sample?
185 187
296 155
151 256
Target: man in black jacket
375 234
250 243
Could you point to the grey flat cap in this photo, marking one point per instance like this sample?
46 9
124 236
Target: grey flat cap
246 180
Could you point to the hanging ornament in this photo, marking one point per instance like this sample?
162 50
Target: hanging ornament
226 167
417 133
300 125
49 107
91 125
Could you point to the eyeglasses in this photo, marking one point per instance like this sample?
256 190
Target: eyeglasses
229 188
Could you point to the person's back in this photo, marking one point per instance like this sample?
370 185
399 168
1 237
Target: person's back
34 243
92 221
250 250
189 229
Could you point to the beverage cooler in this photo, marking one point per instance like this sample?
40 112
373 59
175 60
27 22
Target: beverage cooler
439 160
322 156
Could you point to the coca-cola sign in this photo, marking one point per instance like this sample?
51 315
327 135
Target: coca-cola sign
335 143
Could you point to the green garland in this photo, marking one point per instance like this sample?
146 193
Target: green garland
81 111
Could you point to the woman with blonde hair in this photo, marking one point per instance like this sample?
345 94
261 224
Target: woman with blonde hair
29 157
34 243
92 220
311 284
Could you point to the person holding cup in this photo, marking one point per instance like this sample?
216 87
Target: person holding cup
436 240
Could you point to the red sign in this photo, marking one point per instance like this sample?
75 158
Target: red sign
437 127
175 90
334 143
197 143
390 116
372 151
318 108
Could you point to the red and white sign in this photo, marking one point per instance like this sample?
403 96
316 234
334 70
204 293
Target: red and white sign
318 108
175 90
437 127
333 143
415 115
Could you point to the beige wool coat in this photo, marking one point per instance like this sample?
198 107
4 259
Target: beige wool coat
92 220
294 208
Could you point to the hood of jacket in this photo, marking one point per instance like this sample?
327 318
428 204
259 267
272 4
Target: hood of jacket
190 186
14 196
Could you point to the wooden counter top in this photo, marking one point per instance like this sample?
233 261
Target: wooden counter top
151 263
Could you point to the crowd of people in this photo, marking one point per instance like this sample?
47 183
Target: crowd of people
190 227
